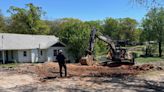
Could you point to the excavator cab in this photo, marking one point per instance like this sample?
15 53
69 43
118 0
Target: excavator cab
121 55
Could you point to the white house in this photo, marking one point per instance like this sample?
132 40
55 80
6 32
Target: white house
29 48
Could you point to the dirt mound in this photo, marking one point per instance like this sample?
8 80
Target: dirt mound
51 70
146 67
45 69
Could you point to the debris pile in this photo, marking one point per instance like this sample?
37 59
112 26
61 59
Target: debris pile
51 70
146 67
45 70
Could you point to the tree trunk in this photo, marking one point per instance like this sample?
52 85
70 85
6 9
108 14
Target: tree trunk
160 49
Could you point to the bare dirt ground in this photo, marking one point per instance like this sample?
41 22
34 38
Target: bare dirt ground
109 78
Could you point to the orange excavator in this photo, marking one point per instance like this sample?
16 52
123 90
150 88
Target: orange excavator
115 54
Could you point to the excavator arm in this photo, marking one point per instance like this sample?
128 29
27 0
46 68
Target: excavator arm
107 40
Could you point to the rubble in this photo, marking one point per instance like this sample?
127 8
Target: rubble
50 70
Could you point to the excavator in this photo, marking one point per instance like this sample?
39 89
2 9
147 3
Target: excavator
115 54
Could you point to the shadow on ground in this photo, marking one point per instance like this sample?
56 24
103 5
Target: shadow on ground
130 83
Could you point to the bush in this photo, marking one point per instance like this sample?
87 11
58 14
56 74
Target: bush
149 50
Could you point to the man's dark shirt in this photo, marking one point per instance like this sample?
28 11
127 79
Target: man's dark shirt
60 58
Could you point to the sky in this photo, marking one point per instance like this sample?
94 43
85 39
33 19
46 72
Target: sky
85 10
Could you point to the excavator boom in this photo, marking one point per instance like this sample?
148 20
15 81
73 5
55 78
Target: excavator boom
115 54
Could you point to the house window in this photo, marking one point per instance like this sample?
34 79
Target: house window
55 52
41 52
24 53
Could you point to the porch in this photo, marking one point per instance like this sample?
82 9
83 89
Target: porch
8 56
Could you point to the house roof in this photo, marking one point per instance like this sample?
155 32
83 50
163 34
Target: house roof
23 41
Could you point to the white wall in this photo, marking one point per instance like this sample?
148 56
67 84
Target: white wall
43 57
50 53
37 57
22 58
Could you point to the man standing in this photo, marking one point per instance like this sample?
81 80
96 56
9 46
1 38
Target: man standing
61 61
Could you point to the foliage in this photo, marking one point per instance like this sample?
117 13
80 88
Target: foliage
153 26
149 50
27 21
2 23
121 29
75 34
99 46
111 28
150 3
148 59
10 65
128 28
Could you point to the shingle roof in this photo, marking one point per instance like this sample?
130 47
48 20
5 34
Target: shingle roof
22 41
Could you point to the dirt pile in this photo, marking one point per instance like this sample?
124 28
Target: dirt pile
146 67
45 70
51 70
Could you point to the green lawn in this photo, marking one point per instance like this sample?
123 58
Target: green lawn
10 65
148 59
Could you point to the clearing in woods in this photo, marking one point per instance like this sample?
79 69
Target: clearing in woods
45 77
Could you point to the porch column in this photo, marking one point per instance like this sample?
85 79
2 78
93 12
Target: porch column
3 56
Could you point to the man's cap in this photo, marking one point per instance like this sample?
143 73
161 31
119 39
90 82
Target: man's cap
60 51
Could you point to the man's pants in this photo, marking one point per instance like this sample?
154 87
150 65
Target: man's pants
65 68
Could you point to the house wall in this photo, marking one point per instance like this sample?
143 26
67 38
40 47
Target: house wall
37 57
22 58
50 53
43 57
15 55
34 55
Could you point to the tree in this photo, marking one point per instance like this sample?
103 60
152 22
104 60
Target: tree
99 46
2 23
111 28
137 35
153 26
127 28
75 34
150 3
27 21
120 29
54 26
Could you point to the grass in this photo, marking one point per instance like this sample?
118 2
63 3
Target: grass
148 59
10 65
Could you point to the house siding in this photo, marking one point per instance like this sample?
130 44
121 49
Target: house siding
43 57
50 53
22 58
34 55
37 57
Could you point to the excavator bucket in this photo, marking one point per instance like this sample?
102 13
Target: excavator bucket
87 60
